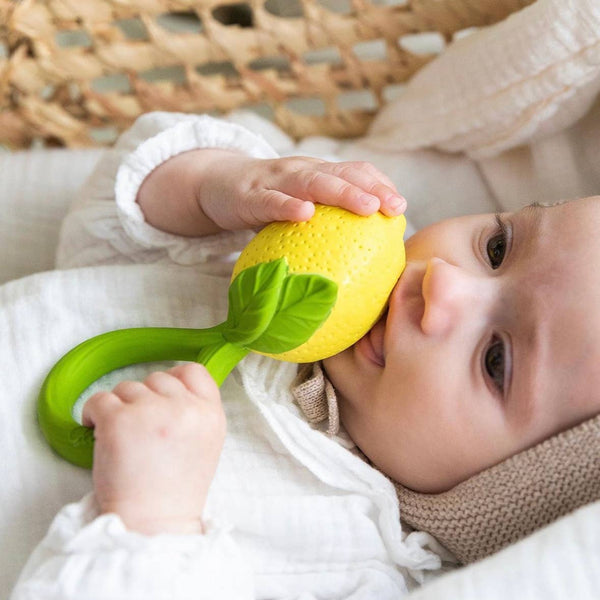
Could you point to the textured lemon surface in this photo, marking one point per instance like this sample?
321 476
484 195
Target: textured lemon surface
363 255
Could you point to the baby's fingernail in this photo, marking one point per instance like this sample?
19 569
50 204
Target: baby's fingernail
396 203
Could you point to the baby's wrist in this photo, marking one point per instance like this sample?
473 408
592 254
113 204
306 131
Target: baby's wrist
213 184
168 526
164 525
153 523
170 195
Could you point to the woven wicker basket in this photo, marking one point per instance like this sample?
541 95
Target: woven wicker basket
77 72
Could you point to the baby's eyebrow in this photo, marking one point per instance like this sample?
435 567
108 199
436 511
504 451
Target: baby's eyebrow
534 209
529 220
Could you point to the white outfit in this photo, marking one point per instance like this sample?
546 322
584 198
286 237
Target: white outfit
291 513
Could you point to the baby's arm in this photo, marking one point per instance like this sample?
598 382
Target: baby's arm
210 190
142 536
107 225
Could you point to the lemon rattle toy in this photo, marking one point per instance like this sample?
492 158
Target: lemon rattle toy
300 292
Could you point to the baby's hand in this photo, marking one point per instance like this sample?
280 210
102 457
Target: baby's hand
238 192
157 448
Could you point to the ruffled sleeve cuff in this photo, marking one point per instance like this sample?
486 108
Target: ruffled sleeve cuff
189 134
96 557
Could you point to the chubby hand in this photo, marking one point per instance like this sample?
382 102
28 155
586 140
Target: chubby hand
157 446
239 192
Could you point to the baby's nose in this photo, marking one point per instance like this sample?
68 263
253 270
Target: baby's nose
451 294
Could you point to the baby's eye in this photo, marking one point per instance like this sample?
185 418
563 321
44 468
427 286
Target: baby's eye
494 362
496 245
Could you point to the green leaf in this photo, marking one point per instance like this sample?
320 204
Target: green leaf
253 299
305 303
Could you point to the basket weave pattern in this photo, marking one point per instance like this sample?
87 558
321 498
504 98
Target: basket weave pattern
71 69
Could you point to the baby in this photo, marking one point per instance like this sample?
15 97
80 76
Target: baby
488 348
484 324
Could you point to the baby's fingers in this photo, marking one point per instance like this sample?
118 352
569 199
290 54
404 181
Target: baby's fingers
356 192
368 178
99 407
204 408
195 378
272 205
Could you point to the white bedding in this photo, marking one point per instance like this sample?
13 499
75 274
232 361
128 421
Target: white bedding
561 560
36 189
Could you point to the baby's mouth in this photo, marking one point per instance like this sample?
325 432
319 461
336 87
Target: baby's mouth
408 290
376 337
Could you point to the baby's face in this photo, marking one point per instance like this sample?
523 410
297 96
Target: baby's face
490 345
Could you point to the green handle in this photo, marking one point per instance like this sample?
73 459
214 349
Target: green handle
100 355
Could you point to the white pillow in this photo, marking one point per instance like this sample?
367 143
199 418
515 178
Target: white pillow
555 563
532 74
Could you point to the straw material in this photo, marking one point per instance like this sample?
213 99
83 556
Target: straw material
78 73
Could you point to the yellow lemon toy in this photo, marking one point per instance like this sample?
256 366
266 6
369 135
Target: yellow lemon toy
364 256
